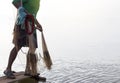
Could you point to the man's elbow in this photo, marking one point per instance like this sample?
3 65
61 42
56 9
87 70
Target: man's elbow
17 5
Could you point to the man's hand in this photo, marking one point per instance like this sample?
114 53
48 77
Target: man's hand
38 26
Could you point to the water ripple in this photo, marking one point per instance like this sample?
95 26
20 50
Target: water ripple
75 72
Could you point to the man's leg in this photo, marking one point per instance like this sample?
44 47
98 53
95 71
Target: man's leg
31 65
12 57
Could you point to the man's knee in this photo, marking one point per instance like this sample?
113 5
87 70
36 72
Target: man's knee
32 50
17 48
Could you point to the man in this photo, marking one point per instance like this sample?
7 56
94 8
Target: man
23 39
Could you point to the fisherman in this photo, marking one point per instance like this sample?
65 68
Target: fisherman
23 37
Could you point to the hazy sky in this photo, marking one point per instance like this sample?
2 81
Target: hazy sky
82 29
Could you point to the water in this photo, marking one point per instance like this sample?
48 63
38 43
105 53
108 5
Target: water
85 72
71 69
74 71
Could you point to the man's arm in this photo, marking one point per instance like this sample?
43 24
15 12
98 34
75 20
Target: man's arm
17 4
39 27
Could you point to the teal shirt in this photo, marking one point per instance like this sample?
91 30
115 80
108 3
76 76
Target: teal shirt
32 6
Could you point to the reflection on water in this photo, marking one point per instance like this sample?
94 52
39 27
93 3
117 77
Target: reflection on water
26 80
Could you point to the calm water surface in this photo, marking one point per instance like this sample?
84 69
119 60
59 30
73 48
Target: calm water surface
74 71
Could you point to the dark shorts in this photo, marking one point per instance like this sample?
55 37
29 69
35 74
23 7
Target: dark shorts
21 37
